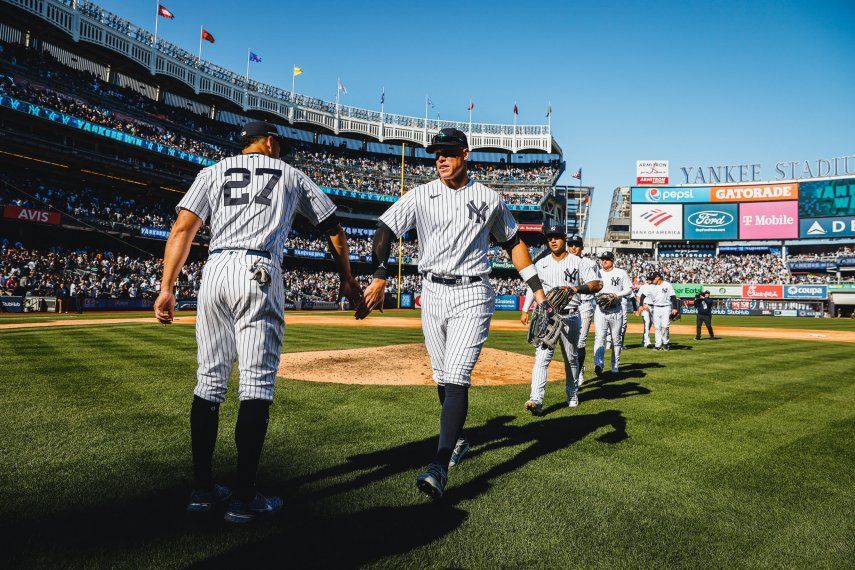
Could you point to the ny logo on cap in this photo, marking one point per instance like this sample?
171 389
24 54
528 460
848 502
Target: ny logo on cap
476 213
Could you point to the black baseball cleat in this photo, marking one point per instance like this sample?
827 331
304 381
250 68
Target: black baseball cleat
666 348
243 512
461 448
697 338
598 369
204 501
432 482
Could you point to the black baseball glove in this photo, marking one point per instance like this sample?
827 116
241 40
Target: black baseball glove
545 324
607 300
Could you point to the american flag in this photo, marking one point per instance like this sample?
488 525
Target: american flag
578 174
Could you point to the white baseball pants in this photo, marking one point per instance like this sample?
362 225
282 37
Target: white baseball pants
238 317
455 322
645 318
661 322
586 314
612 323
543 356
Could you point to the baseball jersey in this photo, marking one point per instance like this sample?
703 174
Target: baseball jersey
617 281
579 299
251 200
571 270
657 295
454 226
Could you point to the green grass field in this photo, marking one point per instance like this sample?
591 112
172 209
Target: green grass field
730 453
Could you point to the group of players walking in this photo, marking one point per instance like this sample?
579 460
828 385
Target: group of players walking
251 199
562 265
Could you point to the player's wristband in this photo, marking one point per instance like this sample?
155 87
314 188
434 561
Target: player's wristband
534 282
583 289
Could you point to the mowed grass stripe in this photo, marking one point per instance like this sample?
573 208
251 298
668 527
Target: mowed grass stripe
683 463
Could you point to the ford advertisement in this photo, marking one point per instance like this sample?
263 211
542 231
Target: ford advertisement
710 222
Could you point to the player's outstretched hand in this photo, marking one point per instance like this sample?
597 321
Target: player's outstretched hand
351 291
524 318
374 294
164 307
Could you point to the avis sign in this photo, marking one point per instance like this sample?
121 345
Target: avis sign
651 172
31 215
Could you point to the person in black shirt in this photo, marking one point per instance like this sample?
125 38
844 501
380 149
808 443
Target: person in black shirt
704 316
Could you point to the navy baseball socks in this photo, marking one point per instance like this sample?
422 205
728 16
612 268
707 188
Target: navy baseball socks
206 494
455 405
249 505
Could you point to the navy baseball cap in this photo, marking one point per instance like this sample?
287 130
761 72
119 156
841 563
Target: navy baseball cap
607 255
653 275
448 138
575 239
554 230
258 129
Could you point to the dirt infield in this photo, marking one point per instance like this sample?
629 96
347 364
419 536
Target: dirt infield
412 366
496 325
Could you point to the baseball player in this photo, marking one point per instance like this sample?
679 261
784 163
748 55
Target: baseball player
250 200
643 312
586 305
454 217
559 268
659 298
612 320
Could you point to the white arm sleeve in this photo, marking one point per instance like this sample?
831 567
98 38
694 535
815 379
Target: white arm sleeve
529 299
626 286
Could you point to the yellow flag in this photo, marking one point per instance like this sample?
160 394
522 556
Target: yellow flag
297 71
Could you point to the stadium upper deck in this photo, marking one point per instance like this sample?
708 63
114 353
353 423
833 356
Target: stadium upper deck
126 46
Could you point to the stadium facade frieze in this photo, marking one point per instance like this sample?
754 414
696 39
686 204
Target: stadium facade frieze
88 22
786 170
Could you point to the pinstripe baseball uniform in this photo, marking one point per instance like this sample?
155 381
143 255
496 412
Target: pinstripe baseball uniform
658 298
454 228
251 200
612 320
645 317
569 271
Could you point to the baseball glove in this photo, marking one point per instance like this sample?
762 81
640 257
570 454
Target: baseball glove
607 300
545 324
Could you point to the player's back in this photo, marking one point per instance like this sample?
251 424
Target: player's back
251 200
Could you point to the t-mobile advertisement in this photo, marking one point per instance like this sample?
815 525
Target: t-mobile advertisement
769 220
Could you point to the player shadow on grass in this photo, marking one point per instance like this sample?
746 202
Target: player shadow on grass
604 387
304 537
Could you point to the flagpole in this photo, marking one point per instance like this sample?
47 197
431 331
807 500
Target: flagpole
156 17
247 67
201 28
470 122
293 80
401 239
382 100
337 92
515 127
587 215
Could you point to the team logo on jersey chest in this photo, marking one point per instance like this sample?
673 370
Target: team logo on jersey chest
476 213
615 281
570 276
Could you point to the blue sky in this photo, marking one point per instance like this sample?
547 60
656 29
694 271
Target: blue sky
695 83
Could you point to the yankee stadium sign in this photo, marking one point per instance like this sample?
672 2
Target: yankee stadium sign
787 170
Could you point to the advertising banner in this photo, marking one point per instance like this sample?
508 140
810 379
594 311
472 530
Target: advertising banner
827 198
157 233
657 222
31 215
669 195
406 300
96 129
651 172
186 305
687 290
116 304
826 227
812 265
417 301
724 291
531 227
756 193
763 291
805 292
710 221
842 288
846 261
769 220
507 302
11 304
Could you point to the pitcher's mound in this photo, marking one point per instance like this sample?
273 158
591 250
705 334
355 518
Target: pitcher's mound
405 364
